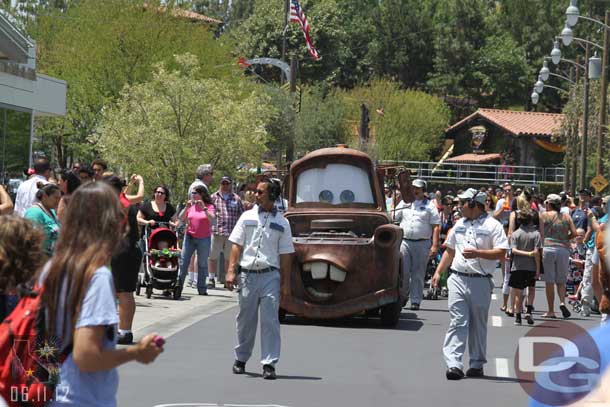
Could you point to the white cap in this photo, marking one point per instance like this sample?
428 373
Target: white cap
472 193
419 183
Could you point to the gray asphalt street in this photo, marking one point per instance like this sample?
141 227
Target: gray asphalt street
351 362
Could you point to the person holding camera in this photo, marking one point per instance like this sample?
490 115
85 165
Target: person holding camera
199 216
474 245
262 244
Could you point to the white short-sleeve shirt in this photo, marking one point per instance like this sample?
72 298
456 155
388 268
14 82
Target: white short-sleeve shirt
484 233
26 194
263 236
417 219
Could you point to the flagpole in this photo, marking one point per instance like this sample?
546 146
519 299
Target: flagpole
286 11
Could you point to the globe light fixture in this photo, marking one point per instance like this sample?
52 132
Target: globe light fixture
539 86
544 71
567 35
535 97
595 67
572 13
556 53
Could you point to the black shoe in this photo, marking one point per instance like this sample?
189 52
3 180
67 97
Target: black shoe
269 372
564 311
125 339
474 372
414 307
211 283
529 319
518 319
529 309
203 293
239 367
454 373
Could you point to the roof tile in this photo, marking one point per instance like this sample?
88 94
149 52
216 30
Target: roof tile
518 123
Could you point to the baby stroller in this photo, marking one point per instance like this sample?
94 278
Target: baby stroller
159 269
441 290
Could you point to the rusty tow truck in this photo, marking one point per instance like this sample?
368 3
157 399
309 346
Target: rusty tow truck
347 258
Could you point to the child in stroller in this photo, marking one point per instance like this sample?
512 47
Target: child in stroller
163 257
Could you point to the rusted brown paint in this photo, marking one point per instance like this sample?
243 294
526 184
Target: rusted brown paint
369 252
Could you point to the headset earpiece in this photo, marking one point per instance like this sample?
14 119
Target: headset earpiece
275 189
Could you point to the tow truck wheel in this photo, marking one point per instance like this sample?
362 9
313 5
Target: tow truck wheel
390 314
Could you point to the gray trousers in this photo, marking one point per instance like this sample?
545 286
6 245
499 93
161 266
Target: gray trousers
414 262
259 291
469 300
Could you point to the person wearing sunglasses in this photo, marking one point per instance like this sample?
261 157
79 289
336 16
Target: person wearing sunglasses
262 244
158 209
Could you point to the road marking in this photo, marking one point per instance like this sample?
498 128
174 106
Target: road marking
502 367
494 297
496 321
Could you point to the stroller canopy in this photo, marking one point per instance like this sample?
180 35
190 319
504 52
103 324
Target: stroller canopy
162 234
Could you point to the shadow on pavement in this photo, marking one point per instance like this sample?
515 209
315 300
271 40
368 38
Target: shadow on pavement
283 377
500 379
406 322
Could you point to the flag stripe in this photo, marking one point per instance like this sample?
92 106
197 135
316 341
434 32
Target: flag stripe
298 16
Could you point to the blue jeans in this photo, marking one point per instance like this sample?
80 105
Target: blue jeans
202 246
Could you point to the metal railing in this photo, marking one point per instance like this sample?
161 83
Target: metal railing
481 173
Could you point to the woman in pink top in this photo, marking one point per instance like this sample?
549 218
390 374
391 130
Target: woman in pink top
199 215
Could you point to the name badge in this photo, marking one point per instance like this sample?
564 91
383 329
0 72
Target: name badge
460 229
232 203
483 232
276 226
250 222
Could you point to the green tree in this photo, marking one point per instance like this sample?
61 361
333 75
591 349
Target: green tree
321 121
98 47
167 126
405 124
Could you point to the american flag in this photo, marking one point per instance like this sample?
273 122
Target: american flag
297 16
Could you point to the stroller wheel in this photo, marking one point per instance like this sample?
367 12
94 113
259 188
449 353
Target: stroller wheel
149 291
177 292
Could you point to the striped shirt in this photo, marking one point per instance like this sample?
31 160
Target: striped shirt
227 212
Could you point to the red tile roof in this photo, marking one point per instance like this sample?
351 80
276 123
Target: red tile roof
517 123
189 14
474 158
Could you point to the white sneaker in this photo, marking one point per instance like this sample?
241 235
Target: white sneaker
604 320
586 311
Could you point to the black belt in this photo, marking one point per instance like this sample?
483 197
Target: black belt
414 240
474 275
261 271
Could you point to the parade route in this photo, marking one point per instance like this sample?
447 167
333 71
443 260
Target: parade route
348 362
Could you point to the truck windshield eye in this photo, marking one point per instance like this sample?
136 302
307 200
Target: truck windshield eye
347 196
326 196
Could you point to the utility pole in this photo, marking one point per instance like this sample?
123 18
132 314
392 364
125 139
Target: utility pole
574 75
364 126
585 125
602 107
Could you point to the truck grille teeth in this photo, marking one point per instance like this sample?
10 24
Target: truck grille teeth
337 275
320 271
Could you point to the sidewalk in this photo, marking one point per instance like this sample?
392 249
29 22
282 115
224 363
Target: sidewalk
166 316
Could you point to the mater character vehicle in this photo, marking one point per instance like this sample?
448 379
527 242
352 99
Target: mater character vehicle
347 258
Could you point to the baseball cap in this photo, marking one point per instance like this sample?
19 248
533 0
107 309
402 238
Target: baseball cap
419 183
226 178
585 191
475 194
553 199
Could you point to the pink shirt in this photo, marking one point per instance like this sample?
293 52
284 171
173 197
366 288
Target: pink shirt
199 225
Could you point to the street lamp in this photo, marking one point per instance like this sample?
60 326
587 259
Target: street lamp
539 86
595 67
556 53
544 71
572 13
567 35
535 97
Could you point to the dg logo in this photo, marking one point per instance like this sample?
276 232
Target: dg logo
557 363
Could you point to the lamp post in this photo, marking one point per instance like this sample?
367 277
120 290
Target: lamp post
572 17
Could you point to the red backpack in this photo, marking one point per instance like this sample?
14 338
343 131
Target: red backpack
29 358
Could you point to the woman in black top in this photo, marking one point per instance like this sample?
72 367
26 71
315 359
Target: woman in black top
157 209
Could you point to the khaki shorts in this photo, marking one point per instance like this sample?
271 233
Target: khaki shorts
220 244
